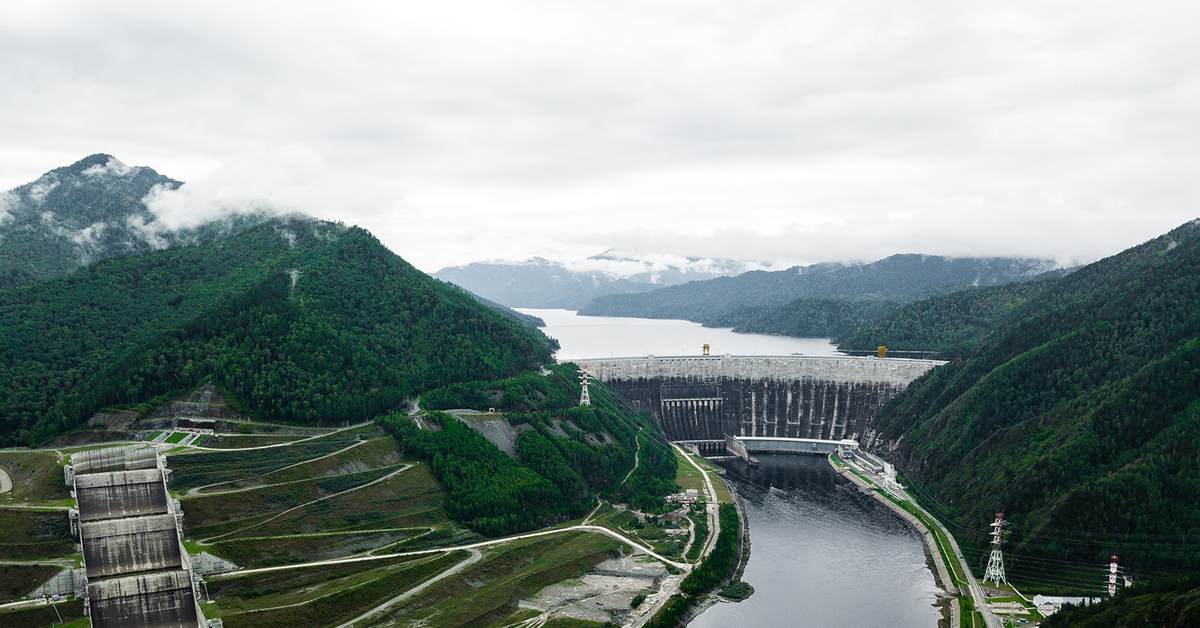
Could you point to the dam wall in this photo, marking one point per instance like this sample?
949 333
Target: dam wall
707 397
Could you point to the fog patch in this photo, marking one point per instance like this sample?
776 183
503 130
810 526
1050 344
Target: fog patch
42 187
618 264
289 236
295 275
114 167
275 181
152 233
88 235
9 201
86 243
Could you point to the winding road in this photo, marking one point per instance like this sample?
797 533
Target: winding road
711 507
470 560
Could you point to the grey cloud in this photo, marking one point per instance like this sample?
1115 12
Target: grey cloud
781 130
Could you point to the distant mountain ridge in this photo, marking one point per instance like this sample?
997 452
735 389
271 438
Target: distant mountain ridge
89 211
543 283
733 301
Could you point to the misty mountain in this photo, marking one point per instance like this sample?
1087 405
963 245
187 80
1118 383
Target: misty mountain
732 301
90 211
542 283
297 320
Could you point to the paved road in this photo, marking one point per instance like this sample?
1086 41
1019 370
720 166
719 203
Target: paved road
471 560
712 508
306 504
585 528
196 490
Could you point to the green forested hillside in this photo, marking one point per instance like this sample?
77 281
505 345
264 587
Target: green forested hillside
299 320
1078 417
566 454
950 325
733 301
819 318
1166 603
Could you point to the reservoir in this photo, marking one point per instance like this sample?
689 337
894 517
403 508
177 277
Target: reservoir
609 337
822 553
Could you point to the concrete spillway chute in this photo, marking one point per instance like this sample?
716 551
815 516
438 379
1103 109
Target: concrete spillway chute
136 571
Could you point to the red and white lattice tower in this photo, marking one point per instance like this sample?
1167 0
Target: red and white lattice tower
995 568
1112 577
584 399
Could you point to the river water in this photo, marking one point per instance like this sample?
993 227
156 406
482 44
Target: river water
822 553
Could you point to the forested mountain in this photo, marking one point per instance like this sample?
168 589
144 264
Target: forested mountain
818 318
503 310
951 325
299 320
1078 416
86 212
543 283
566 453
734 301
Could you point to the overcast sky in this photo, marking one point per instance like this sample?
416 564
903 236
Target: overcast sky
781 132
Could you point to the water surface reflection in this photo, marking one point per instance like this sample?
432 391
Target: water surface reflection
824 554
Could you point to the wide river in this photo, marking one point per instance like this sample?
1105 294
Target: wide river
822 553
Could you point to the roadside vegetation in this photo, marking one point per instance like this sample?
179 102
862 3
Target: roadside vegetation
714 569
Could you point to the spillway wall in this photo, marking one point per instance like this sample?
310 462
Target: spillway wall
704 398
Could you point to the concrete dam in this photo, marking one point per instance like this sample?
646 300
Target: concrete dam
707 397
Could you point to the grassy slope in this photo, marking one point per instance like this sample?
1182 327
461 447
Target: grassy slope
489 590
483 593
27 534
18 580
330 496
37 478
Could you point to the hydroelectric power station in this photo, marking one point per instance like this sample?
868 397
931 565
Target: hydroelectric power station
706 398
